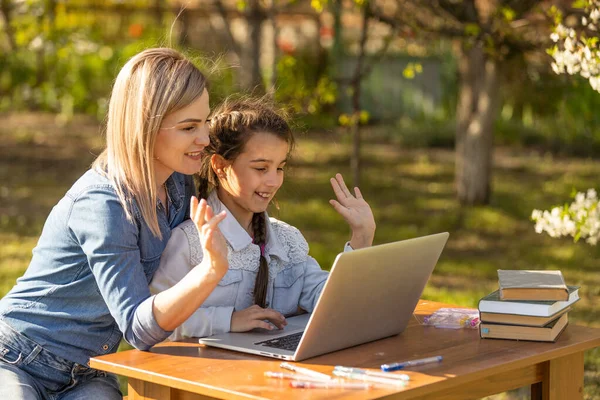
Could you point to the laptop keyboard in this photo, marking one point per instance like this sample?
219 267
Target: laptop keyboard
289 342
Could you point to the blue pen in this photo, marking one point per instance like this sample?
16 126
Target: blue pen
408 364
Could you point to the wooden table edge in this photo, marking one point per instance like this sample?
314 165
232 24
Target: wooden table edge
427 389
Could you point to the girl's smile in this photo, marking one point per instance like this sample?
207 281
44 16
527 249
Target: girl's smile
249 183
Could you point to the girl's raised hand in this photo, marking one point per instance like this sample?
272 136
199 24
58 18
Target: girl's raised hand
211 238
356 211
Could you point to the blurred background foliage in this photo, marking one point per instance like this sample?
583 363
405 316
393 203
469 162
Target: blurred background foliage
61 57
348 70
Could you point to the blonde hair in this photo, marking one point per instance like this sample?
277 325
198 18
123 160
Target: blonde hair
150 85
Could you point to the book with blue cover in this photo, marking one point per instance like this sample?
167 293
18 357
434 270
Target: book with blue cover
546 333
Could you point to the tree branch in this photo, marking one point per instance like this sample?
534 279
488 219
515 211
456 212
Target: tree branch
223 13
5 10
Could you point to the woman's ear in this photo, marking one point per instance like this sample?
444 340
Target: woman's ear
218 165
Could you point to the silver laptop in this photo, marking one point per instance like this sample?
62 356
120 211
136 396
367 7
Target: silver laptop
370 294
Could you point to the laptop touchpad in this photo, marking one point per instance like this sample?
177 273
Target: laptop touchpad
291 328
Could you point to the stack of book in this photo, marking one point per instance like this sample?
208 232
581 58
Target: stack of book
529 305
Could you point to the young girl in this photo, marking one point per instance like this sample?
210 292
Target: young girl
87 284
270 272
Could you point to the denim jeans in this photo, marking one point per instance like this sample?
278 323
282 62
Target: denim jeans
28 371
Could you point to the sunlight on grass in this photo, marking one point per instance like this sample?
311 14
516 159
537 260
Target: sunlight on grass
15 253
469 241
562 253
423 167
436 204
488 220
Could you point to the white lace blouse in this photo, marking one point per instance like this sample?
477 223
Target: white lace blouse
295 278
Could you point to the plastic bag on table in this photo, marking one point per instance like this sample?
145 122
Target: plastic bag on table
453 318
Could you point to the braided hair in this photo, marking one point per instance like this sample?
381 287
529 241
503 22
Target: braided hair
231 126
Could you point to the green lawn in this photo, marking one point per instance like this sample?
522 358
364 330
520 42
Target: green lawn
411 192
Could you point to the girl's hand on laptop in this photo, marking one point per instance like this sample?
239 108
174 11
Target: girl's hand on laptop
211 238
356 211
254 317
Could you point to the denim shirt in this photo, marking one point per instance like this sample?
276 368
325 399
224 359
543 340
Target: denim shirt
295 278
87 284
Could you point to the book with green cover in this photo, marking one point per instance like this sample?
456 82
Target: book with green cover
493 304
532 285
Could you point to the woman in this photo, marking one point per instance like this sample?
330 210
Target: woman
87 284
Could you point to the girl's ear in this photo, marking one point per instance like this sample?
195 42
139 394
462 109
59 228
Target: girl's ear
218 165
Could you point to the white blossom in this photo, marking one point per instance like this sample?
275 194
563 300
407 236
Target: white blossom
574 54
580 219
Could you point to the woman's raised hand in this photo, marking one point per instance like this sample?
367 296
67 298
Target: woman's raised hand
211 238
356 211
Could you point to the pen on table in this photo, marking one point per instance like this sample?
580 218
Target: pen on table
369 378
297 377
305 371
411 363
402 377
329 385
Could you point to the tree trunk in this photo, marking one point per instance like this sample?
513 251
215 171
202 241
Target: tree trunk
475 114
356 94
355 158
158 16
250 76
5 10
336 48
275 48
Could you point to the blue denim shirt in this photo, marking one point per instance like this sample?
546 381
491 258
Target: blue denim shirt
87 284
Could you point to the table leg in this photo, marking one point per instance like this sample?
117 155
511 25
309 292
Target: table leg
142 390
563 379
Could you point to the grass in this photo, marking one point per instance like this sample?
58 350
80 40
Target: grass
410 190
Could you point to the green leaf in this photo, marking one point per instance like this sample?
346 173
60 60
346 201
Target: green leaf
573 193
344 120
508 13
318 5
472 29
241 5
580 4
364 117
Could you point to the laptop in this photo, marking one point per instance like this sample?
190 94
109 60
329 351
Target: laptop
370 294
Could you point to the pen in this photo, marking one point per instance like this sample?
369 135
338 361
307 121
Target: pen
387 375
305 371
369 378
329 385
297 377
412 363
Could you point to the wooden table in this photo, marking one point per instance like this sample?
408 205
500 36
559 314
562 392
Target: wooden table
472 367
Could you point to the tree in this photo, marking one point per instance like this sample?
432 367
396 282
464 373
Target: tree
248 52
255 13
361 71
485 33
